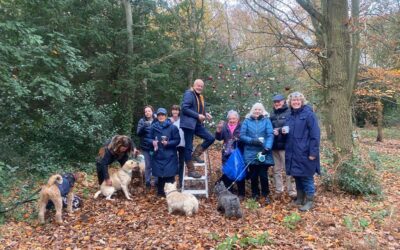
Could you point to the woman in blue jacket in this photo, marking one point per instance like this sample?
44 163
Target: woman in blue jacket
302 149
143 131
257 136
164 158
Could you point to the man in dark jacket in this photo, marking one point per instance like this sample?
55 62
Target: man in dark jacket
164 159
278 118
192 118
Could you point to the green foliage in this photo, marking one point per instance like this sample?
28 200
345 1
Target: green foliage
292 220
246 241
348 222
252 204
355 176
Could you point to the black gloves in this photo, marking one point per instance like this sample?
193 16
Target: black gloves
257 142
264 151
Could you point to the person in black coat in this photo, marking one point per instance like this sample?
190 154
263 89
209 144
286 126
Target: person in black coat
117 149
302 149
164 157
229 133
279 115
143 131
192 118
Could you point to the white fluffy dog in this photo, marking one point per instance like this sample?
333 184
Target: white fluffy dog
182 202
120 180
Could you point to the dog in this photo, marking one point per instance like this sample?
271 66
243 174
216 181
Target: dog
56 188
182 202
120 180
139 169
227 202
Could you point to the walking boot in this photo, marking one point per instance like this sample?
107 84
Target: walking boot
309 203
300 198
191 172
196 154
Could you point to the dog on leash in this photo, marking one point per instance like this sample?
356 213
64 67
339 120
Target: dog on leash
228 203
57 187
182 202
120 180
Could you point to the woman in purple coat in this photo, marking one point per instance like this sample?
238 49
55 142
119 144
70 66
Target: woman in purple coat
229 133
302 149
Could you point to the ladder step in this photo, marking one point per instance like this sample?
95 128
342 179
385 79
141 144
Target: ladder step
199 164
202 178
192 191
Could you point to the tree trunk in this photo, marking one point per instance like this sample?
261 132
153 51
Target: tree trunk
129 22
379 117
338 79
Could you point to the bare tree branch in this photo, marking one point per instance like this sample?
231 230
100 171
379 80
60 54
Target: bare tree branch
307 6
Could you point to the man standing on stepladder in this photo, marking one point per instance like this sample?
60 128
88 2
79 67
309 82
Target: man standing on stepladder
192 118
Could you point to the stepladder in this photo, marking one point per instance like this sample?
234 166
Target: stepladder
197 186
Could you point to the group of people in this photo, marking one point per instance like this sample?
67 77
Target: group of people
288 139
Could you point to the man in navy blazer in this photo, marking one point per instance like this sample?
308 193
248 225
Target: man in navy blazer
192 118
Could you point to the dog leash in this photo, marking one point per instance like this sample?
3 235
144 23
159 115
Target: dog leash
16 204
248 164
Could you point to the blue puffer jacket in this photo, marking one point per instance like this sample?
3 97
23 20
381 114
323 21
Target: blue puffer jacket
301 142
164 161
252 129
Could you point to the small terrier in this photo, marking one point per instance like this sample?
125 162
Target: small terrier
57 187
120 180
182 202
227 202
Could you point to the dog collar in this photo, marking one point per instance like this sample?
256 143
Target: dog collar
176 190
128 172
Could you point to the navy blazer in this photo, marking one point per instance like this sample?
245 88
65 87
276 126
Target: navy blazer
189 114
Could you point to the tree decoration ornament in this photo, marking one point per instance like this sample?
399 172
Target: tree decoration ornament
220 65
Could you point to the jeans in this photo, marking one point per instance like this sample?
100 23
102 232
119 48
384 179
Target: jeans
201 132
305 184
278 170
147 170
181 160
161 184
259 172
241 185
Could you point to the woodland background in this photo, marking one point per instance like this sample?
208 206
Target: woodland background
74 73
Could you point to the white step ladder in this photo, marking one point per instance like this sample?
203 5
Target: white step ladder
203 169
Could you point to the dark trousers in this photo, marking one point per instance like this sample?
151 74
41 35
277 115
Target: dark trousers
102 173
241 185
259 172
201 132
161 183
305 184
181 160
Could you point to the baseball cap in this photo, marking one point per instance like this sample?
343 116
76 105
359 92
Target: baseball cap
278 98
161 111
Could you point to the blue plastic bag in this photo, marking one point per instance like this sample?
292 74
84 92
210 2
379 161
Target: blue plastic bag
234 166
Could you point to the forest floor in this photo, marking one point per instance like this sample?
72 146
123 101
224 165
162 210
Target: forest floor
338 221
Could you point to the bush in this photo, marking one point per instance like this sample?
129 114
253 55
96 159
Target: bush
354 176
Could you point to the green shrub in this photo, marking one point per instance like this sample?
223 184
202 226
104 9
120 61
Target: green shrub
354 176
246 241
292 220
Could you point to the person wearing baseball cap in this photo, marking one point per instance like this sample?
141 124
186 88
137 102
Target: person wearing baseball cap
164 160
280 113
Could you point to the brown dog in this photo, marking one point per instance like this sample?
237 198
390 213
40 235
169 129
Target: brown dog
51 192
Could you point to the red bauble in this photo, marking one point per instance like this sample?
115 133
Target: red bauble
221 66
287 88
210 78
